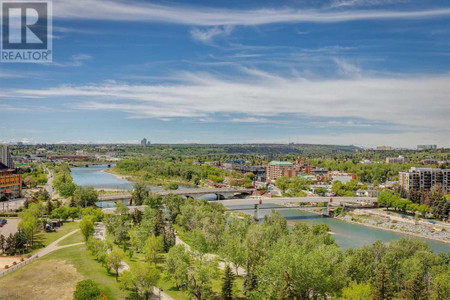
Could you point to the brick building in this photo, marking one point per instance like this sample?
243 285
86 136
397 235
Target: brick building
10 182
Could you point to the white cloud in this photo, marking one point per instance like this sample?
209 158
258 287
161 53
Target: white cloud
114 10
251 120
208 35
347 69
413 102
343 3
76 60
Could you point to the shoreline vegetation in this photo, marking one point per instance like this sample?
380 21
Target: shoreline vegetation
347 220
292 223
134 178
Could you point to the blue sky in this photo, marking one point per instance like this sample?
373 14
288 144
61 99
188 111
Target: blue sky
362 72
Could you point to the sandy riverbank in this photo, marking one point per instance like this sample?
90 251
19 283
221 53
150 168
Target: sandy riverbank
122 177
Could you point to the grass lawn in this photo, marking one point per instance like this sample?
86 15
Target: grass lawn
54 276
72 239
48 237
169 286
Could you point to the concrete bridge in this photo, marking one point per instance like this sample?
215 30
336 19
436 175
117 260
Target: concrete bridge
284 203
221 193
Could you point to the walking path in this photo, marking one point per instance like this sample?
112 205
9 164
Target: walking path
100 234
222 264
50 248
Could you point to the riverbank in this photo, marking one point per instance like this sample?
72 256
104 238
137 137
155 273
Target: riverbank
416 230
118 176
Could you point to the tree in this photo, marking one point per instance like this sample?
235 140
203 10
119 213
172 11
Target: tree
85 196
177 264
155 201
415 289
169 238
140 193
173 204
153 246
87 290
87 227
140 280
227 283
356 291
382 289
441 285
114 260
30 221
30 182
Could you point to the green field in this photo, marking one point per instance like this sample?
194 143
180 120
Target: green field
72 239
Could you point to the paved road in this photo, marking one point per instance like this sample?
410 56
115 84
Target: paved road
10 227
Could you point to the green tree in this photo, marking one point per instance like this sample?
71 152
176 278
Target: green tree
153 246
356 291
87 290
114 260
415 289
140 193
85 196
87 227
227 283
140 280
381 286
177 264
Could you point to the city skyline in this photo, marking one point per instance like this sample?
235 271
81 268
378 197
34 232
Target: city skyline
361 72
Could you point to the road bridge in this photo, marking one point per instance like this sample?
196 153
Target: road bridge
284 203
288 202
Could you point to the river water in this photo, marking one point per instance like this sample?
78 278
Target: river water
347 235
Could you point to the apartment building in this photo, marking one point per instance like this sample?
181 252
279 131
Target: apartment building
424 179
10 182
5 156
396 160
276 169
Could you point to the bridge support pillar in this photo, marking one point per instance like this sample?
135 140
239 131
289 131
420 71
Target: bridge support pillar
256 212
326 210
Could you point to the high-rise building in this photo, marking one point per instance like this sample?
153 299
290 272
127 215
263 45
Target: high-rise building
5 156
144 142
418 179
277 169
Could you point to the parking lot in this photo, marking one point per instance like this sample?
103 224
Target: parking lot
10 227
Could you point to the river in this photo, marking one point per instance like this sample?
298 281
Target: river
347 235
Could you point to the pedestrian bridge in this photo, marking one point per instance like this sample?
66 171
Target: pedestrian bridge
221 193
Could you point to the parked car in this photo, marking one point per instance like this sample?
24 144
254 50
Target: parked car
3 222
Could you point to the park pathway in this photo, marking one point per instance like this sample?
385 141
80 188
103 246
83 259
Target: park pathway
42 252
222 264
100 234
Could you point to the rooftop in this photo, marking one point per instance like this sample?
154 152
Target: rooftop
280 163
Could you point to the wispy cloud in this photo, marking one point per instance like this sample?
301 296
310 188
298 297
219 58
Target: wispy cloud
208 35
256 95
76 60
347 69
114 10
358 3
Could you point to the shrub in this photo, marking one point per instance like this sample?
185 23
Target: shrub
86 290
